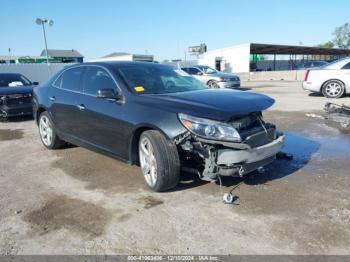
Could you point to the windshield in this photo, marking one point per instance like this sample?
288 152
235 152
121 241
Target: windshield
158 79
13 80
207 70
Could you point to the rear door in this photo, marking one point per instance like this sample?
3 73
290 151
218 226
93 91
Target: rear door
65 97
101 121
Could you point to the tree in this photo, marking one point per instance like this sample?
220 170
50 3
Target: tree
342 36
328 44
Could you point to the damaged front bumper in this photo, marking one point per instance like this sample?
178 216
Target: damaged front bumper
15 105
247 160
209 158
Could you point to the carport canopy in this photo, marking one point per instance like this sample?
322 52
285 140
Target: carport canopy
269 49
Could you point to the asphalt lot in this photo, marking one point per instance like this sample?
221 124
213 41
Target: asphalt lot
74 201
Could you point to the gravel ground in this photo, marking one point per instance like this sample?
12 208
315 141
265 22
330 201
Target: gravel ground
74 201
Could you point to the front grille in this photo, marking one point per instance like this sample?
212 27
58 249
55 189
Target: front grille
18 99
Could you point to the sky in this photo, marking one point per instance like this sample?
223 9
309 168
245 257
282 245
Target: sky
165 28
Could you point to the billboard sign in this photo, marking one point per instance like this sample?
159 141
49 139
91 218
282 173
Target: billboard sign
199 49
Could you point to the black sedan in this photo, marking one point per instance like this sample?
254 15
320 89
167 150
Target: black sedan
15 95
157 117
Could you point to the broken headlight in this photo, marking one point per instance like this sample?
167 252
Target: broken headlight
209 128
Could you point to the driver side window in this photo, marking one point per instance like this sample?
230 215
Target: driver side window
97 78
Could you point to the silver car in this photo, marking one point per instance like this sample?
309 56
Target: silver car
212 77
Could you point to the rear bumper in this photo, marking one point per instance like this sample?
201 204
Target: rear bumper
17 110
311 86
248 160
230 84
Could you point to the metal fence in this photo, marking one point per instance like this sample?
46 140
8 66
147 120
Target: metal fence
34 72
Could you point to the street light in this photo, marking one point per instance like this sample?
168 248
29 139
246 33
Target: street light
9 55
42 22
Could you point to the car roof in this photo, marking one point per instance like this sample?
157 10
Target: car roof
120 63
10 74
113 64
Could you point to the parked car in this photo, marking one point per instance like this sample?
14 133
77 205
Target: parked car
126 110
212 77
332 80
15 95
310 64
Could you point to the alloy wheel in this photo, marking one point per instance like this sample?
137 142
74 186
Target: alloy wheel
213 84
148 161
333 89
45 130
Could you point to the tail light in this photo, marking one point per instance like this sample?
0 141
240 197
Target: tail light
307 75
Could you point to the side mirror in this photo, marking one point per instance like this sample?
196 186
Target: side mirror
35 83
199 73
108 94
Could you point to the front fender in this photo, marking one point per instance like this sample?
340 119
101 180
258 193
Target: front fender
169 128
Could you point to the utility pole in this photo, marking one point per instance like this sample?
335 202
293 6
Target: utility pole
9 55
42 22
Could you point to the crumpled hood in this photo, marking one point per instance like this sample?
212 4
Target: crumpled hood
16 90
216 104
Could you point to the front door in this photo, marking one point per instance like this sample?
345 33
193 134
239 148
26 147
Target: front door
101 123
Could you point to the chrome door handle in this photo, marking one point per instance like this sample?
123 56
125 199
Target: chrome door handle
81 107
52 98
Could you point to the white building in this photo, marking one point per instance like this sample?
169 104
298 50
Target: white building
247 57
229 59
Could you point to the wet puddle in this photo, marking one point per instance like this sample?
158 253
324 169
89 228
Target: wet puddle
306 137
10 134
72 214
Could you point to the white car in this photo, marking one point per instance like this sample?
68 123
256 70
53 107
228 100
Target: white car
212 77
332 80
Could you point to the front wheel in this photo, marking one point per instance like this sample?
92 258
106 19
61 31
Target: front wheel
333 89
213 84
47 132
159 161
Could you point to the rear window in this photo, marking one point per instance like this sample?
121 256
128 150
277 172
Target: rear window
347 66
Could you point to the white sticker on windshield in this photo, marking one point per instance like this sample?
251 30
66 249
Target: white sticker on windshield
15 83
181 72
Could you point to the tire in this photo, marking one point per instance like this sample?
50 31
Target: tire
47 132
213 84
333 89
161 167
